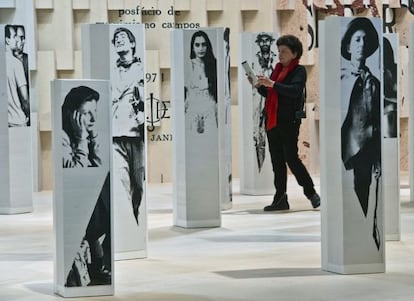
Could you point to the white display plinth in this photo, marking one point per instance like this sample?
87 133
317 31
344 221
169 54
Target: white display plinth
411 112
36 151
391 144
348 241
16 186
196 126
82 193
256 175
224 121
102 61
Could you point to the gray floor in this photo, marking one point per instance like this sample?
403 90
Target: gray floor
253 256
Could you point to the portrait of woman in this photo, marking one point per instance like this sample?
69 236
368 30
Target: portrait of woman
201 85
79 112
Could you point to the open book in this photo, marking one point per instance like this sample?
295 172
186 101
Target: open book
249 71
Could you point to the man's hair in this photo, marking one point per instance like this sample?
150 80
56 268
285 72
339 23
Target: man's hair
7 30
226 34
262 35
20 27
131 37
293 43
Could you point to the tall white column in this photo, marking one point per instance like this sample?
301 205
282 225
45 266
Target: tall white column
101 58
353 239
82 193
256 175
197 80
391 135
16 186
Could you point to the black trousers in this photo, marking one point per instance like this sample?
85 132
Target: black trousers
283 148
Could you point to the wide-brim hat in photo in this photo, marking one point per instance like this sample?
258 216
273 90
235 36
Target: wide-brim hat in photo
371 37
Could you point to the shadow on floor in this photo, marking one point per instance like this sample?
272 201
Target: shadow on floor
26 257
260 211
271 273
160 211
407 204
44 288
265 238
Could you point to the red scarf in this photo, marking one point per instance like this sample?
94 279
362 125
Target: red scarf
272 99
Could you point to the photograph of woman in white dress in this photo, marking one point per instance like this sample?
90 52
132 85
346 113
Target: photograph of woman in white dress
201 85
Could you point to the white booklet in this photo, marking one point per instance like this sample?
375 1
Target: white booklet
249 71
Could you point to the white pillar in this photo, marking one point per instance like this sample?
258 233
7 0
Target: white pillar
224 117
196 147
82 194
256 175
411 112
99 60
391 134
16 186
348 243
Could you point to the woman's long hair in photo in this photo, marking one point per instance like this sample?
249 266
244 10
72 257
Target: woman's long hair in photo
73 100
210 63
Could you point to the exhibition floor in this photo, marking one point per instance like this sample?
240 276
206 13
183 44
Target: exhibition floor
254 256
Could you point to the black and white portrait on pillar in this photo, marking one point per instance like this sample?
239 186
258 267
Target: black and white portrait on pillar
361 129
263 62
201 84
227 113
201 121
128 117
79 113
17 76
82 214
92 263
116 52
390 90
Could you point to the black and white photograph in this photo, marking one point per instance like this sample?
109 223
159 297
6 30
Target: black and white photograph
82 186
200 129
361 127
17 76
126 74
262 63
92 264
390 89
79 115
201 83
128 117
227 112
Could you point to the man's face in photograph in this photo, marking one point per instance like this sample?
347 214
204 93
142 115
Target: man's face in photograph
122 43
12 41
264 43
20 40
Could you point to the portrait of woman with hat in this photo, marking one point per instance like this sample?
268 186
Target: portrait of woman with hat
361 127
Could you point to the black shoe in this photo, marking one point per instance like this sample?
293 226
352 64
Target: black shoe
279 203
315 200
